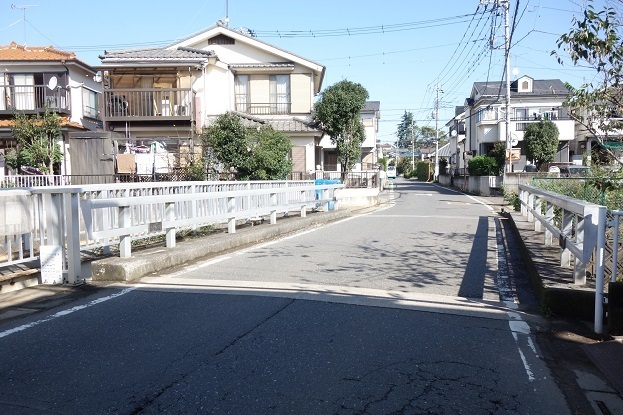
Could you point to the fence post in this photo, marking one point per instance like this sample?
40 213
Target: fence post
125 241
231 208
273 211
579 270
537 207
169 214
530 201
303 205
549 217
566 228
72 222
599 277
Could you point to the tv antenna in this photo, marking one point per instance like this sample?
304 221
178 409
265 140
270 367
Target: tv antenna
23 8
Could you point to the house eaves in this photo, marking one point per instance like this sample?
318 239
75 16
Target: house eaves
252 41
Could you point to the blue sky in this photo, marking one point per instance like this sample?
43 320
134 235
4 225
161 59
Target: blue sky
397 50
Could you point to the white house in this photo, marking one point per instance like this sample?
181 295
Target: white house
169 94
530 101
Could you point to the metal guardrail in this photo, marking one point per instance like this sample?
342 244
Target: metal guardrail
580 229
82 218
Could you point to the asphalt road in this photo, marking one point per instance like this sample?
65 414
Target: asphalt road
404 310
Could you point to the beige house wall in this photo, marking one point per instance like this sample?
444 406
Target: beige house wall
301 93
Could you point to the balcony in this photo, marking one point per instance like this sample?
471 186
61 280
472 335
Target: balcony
32 99
159 104
272 108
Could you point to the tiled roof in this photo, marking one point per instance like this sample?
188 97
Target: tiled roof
290 125
261 65
539 87
8 123
19 53
181 53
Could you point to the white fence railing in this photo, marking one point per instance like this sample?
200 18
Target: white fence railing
579 228
77 218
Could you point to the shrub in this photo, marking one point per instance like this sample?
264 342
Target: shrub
483 166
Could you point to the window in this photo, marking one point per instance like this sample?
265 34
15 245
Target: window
522 114
280 94
90 108
242 93
525 85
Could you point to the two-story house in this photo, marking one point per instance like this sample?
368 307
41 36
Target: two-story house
167 95
530 101
35 77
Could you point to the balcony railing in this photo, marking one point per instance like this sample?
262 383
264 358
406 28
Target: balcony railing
148 103
34 98
273 108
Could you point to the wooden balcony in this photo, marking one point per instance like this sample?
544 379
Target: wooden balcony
32 99
148 104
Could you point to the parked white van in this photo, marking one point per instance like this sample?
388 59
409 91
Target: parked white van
391 172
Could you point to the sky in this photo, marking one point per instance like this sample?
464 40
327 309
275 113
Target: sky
401 51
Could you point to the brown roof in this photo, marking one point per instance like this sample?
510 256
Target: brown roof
64 123
15 52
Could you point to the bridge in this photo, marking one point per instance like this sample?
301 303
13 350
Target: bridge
420 305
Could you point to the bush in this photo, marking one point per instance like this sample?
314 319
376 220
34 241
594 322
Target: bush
483 166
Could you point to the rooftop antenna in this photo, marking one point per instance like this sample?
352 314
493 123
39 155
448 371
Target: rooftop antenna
23 8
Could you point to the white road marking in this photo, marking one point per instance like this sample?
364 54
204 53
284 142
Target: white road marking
66 312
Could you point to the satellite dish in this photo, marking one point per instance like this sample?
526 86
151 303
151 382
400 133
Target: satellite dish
52 83
515 71
98 77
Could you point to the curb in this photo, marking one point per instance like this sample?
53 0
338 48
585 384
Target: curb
153 260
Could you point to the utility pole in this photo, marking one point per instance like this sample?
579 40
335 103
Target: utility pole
508 165
507 53
436 175
412 148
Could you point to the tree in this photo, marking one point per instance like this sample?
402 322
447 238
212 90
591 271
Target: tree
37 141
256 154
406 131
499 154
269 155
595 41
226 141
541 142
338 114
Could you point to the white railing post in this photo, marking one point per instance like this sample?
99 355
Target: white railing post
169 215
303 204
273 211
537 208
231 208
72 220
125 241
566 229
599 262
549 217
530 201
579 269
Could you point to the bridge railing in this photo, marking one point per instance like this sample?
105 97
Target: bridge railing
578 227
82 218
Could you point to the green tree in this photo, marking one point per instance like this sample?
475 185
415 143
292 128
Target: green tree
595 42
256 154
338 114
269 155
405 132
499 154
541 142
226 141
37 141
